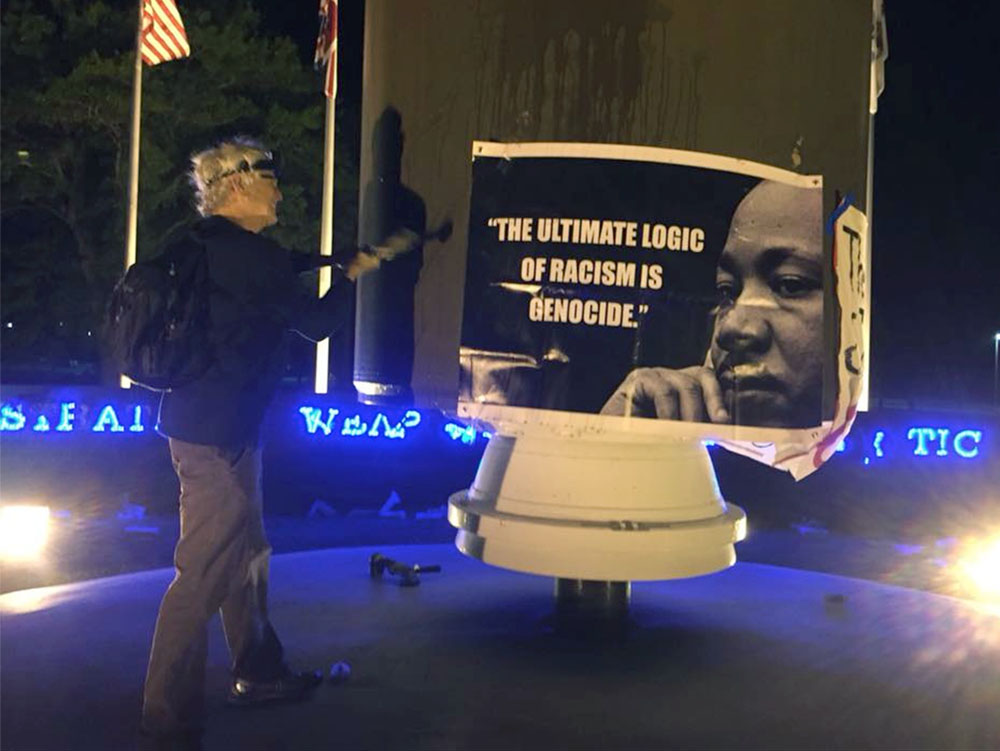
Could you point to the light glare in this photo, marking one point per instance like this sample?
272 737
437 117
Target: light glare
980 567
24 530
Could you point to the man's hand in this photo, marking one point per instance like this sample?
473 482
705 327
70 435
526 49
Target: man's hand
362 263
692 395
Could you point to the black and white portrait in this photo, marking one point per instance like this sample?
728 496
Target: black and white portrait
764 363
644 283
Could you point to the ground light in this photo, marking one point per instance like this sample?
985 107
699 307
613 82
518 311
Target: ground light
978 566
24 531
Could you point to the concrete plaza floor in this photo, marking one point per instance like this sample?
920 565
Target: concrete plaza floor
754 657
83 546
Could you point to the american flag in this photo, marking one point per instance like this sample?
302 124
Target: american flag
163 36
326 45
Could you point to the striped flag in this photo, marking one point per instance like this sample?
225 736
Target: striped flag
326 45
163 36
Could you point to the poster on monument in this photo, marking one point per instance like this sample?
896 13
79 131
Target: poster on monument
651 290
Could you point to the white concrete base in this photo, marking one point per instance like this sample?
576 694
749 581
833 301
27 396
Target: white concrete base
614 509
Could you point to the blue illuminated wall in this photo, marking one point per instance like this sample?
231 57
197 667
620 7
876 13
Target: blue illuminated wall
949 438
894 467
871 441
354 456
97 447
63 417
899 472
82 448
119 414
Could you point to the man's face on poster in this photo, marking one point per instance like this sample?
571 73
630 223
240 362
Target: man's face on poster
767 342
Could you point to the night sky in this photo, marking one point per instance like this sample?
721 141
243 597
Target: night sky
937 156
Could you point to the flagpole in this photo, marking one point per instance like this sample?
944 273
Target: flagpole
133 175
322 384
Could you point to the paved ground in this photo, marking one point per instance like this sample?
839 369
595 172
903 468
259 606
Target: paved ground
88 547
754 657
82 547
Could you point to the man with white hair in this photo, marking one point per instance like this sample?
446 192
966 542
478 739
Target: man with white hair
213 425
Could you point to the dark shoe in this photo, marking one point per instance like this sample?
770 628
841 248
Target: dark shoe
289 687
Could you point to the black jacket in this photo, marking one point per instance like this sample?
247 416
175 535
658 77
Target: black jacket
257 297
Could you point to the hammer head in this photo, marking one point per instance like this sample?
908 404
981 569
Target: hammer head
377 564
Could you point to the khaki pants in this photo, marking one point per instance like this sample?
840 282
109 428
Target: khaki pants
221 563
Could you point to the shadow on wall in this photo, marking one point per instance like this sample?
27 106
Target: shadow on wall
383 354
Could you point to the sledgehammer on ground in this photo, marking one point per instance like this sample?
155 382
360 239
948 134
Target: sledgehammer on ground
409 574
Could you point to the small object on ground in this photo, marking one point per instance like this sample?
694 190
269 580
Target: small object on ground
835 604
810 527
131 511
389 508
434 512
340 672
409 574
139 529
321 510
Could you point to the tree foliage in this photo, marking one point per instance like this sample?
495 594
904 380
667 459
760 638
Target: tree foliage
66 114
